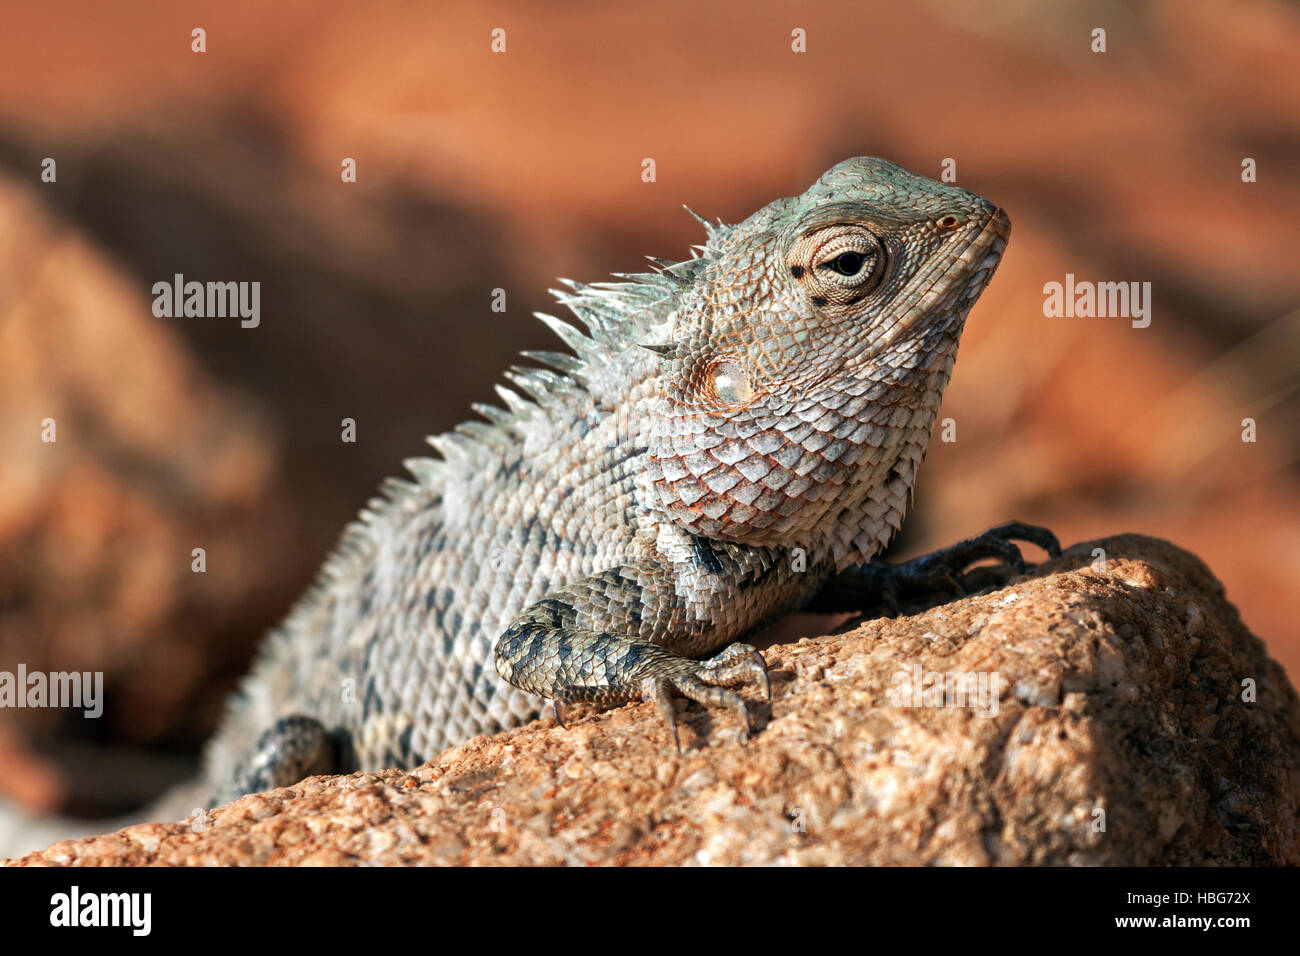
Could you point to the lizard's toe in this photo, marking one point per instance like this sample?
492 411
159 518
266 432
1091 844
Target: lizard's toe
712 679
708 682
1034 534
736 664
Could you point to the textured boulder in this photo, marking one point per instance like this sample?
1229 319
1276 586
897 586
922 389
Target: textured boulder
1117 714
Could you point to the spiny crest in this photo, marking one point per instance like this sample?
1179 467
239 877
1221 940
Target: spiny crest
709 227
610 312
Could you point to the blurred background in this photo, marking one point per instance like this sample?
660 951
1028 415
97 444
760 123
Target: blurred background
479 170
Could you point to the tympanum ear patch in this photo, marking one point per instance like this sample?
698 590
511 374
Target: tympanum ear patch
730 382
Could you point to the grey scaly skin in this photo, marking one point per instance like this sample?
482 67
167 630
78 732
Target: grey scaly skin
734 436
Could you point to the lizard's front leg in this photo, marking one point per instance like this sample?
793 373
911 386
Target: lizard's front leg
600 640
879 583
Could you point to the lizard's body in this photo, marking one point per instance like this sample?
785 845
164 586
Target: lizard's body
731 432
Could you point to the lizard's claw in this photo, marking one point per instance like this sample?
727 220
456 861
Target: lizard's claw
934 577
657 688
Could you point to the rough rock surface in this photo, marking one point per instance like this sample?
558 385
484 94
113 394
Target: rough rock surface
1125 733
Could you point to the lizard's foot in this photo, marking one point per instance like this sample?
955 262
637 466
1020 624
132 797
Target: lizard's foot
942 570
584 643
289 750
707 682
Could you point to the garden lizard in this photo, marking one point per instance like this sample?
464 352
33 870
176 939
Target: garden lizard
729 437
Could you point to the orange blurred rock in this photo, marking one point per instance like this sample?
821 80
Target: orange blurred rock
149 459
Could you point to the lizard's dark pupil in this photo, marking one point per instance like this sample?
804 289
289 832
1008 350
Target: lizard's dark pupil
848 263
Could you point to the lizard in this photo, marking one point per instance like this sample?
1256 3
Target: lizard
728 438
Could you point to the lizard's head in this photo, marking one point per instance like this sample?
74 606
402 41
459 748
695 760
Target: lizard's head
809 353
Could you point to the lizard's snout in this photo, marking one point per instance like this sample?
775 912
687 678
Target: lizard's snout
1001 223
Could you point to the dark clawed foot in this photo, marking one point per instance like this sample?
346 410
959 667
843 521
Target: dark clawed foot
890 590
558 708
942 570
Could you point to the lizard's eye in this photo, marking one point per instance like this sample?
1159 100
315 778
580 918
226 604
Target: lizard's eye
837 264
848 263
848 268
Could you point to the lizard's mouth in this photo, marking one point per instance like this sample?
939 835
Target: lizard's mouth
954 289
